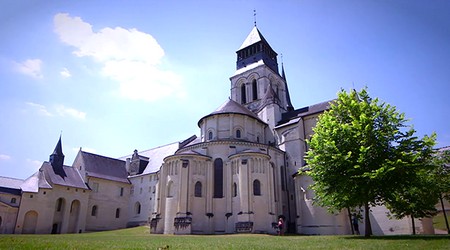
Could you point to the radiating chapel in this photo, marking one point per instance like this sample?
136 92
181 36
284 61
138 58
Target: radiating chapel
240 175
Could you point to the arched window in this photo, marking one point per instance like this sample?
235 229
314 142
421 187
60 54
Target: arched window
198 189
118 213
238 133
254 90
234 189
210 135
59 204
243 95
0 221
13 200
256 188
137 208
170 189
218 178
94 211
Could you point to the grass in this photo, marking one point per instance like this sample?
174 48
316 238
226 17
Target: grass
139 238
439 221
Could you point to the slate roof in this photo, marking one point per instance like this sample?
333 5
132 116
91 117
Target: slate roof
70 178
9 182
10 185
104 167
46 178
252 38
191 152
303 112
156 156
232 107
34 182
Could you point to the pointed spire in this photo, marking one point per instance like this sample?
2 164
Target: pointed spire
58 148
289 105
57 158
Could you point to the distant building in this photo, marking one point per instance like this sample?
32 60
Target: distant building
239 175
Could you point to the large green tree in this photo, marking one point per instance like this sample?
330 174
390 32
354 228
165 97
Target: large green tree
362 149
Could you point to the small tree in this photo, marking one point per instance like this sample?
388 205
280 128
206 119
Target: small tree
358 149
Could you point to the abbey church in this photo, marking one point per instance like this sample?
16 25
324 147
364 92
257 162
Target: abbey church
240 175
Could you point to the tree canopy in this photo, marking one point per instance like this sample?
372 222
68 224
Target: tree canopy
361 150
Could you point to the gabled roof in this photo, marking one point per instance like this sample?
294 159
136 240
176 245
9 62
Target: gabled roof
232 107
104 167
71 177
252 38
34 182
156 156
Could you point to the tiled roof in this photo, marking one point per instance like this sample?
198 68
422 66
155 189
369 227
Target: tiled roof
232 107
104 167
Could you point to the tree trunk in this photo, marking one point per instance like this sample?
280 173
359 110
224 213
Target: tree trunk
413 225
445 215
350 220
368 227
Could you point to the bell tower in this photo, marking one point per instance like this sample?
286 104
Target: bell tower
257 83
56 159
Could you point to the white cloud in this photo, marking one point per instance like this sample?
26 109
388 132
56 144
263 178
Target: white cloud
65 73
128 56
65 111
59 110
30 67
4 157
39 109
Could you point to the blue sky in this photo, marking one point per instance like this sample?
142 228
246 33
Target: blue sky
115 76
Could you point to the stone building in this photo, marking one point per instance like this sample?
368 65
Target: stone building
239 175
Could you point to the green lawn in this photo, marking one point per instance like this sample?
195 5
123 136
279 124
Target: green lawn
439 221
138 238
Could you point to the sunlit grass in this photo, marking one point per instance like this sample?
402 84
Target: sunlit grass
139 238
439 221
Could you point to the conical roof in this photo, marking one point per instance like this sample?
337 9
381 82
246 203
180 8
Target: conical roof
58 148
232 107
289 105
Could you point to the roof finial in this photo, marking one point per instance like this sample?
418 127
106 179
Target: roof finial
254 16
